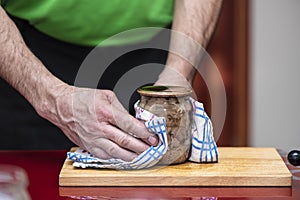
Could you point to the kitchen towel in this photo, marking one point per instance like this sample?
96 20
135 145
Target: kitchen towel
203 149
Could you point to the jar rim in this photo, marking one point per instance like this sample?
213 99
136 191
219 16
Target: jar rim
164 91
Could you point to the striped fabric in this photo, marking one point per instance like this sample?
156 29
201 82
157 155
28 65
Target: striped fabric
203 149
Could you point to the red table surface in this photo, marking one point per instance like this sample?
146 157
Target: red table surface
43 169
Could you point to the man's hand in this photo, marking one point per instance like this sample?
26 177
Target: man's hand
96 121
172 77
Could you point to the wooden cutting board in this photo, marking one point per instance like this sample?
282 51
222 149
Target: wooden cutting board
237 166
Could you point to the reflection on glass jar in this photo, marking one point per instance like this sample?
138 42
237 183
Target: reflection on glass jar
13 183
172 103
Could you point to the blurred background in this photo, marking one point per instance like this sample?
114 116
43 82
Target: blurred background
257 49
274 64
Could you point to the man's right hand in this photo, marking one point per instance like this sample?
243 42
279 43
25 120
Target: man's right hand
96 121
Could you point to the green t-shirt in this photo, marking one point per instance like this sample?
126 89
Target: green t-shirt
88 22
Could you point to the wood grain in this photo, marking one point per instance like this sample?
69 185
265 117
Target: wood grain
237 166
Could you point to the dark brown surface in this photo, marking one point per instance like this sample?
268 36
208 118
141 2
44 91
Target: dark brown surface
229 50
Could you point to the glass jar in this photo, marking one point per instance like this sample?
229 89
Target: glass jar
13 183
173 103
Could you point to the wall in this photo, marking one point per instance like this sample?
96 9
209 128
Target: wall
275 74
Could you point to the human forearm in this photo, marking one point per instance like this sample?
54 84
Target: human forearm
93 119
193 24
22 70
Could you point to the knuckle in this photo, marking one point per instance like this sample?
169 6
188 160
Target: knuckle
112 150
105 131
104 113
123 141
110 94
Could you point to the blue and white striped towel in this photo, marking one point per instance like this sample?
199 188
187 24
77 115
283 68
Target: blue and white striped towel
203 149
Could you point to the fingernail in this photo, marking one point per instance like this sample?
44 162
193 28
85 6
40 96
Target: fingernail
152 140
